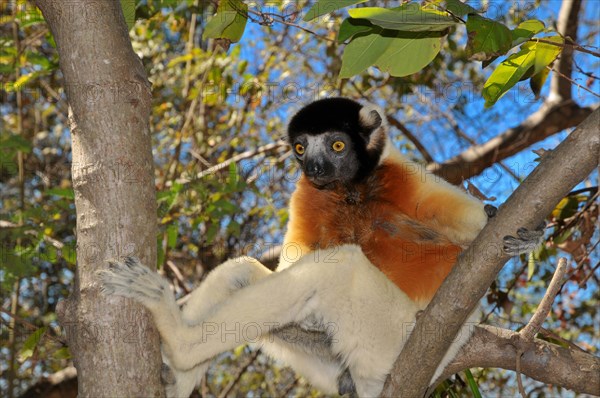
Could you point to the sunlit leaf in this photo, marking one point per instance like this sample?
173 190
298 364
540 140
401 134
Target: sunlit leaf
545 53
506 75
323 7
537 81
407 18
526 30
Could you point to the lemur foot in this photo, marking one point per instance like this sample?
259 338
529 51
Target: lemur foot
490 210
526 242
132 279
167 376
346 384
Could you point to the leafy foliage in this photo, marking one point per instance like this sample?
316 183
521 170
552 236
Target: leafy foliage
210 105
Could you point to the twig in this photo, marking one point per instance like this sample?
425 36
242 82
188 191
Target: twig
269 18
411 137
178 275
239 157
518 372
573 81
31 326
575 46
238 375
530 330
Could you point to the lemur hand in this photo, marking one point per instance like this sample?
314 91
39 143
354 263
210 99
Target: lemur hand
526 242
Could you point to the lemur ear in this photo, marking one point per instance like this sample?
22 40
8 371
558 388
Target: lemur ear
371 117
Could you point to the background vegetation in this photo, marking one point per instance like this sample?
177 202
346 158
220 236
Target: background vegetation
224 175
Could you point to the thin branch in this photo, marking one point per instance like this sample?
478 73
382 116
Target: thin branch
238 375
412 138
268 18
575 46
541 313
573 82
274 146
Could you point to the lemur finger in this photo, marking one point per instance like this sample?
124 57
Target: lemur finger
132 279
526 242
490 210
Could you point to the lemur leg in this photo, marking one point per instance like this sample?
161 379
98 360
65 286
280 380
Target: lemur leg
270 303
217 287
526 242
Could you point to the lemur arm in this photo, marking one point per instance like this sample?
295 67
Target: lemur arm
449 210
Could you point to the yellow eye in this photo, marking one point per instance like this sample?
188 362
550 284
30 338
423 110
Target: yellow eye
338 146
299 149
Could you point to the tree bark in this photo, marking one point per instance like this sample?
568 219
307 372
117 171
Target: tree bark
558 172
114 344
548 363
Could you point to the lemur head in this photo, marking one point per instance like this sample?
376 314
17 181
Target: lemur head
338 140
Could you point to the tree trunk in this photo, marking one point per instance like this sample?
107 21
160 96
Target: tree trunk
114 344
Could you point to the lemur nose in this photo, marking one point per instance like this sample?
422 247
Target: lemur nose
314 169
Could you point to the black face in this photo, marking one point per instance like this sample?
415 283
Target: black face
331 140
326 158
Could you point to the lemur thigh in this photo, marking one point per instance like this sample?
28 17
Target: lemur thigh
220 284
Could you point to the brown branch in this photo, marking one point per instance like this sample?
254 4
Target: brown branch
412 138
550 119
238 375
531 329
492 347
239 157
558 172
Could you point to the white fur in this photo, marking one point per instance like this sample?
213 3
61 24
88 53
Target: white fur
367 316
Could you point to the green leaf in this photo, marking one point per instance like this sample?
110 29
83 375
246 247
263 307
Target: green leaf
31 343
229 22
62 353
487 38
172 232
506 75
526 30
399 53
545 53
459 8
472 384
363 51
15 142
128 7
537 82
351 27
66 193
408 53
407 18
323 7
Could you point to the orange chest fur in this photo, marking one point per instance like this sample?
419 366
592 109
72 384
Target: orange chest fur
379 216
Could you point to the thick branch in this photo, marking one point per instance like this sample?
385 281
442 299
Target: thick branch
567 24
559 171
492 347
550 119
